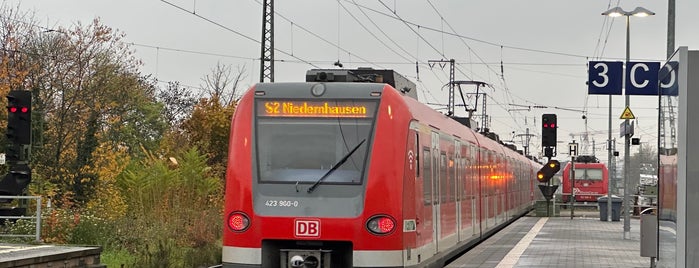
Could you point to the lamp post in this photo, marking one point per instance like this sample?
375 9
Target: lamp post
618 12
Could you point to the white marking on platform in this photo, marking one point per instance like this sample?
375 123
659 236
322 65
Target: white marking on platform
515 253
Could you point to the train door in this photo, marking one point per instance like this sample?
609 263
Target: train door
479 190
425 233
472 164
485 188
497 191
436 193
456 188
490 190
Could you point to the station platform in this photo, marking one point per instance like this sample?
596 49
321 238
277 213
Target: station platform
39 256
581 242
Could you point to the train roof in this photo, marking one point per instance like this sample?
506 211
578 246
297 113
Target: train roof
370 75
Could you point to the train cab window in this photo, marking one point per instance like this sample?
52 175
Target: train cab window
302 150
593 174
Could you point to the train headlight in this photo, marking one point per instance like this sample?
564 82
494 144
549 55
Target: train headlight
238 221
381 224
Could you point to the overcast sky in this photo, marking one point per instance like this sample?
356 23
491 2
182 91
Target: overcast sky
531 52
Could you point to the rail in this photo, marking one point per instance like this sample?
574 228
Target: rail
36 217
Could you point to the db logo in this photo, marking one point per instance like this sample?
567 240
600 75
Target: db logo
307 228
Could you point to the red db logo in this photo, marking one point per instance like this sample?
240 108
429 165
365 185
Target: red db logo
307 228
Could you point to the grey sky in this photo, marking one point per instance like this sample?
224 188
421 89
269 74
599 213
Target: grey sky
543 45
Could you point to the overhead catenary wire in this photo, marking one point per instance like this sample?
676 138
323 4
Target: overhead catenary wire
319 37
235 32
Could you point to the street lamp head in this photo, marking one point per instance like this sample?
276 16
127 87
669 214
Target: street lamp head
638 12
642 12
615 12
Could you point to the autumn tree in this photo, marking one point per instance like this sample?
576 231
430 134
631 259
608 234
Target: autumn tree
14 66
178 101
208 128
87 93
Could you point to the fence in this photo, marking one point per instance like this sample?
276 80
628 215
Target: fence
636 205
36 217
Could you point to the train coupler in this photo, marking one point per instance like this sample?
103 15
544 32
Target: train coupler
299 258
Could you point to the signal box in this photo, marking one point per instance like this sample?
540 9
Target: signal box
19 117
548 130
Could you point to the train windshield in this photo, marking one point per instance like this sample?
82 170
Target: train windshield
588 174
303 148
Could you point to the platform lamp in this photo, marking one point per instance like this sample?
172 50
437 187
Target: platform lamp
618 12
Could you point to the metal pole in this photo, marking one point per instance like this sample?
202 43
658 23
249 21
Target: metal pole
627 224
670 27
38 219
548 201
610 155
572 186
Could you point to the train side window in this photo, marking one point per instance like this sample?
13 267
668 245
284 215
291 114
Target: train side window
443 177
453 165
427 176
417 156
460 180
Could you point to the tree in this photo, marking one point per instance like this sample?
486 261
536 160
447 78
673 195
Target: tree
221 83
87 92
178 101
208 127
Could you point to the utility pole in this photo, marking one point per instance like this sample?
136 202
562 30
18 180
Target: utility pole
452 83
525 142
442 63
267 44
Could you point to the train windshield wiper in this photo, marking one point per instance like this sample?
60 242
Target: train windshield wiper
335 166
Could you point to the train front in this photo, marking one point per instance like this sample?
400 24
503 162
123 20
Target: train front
296 193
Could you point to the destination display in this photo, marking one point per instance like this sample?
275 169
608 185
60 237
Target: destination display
297 108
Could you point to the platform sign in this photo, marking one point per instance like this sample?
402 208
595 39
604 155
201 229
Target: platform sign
604 78
573 149
668 79
642 78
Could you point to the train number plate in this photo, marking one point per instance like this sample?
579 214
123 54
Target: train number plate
306 228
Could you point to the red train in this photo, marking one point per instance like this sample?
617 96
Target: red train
335 173
667 183
591 179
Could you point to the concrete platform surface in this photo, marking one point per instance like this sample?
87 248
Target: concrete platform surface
559 242
37 256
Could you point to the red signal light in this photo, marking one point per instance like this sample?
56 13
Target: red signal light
546 125
13 109
553 125
24 109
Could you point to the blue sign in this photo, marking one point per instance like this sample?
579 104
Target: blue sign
668 79
604 78
642 78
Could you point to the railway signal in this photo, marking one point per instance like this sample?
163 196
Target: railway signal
548 130
19 137
547 171
19 117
